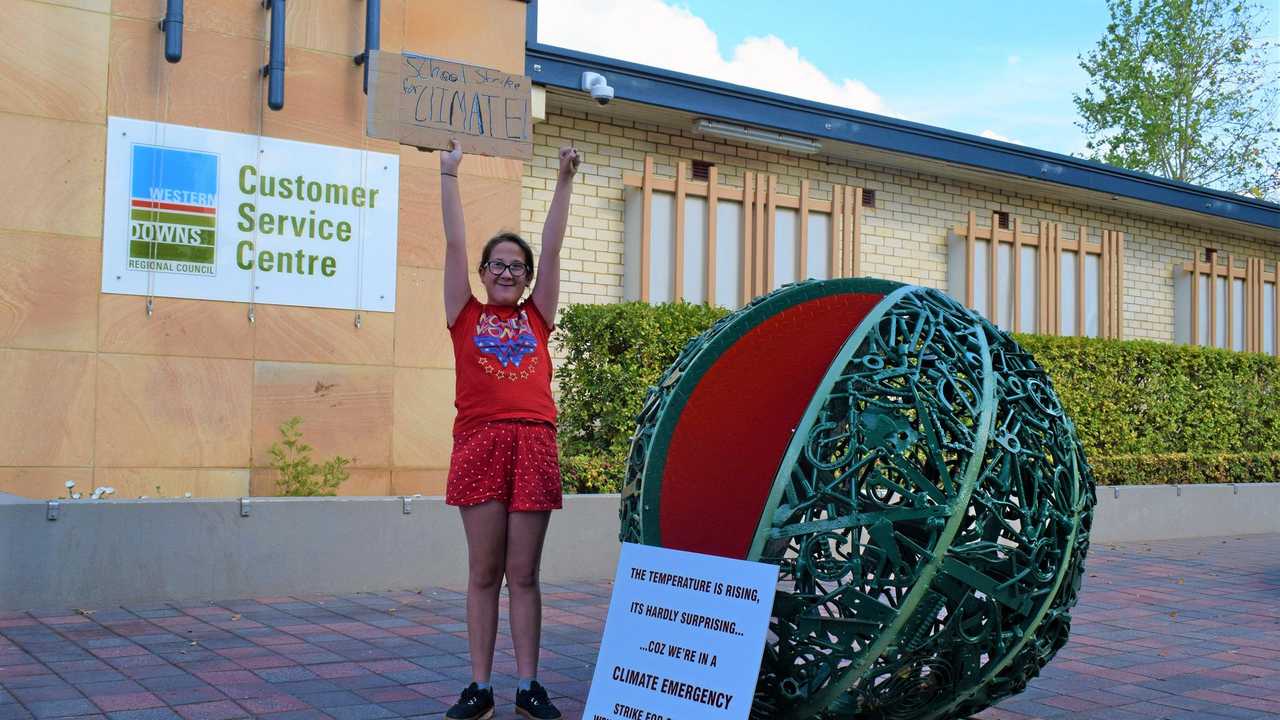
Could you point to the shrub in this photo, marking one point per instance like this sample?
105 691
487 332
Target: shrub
297 475
1139 397
1146 412
613 354
592 473
1176 468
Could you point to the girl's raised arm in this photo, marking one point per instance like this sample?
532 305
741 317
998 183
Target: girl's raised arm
546 291
457 281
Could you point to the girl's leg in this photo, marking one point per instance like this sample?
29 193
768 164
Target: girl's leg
525 534
486 529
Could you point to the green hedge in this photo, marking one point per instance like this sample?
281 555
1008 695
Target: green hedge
613 354
1186 468
1146 412
1138 397
601 473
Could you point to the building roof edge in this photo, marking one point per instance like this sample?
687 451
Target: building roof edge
562 68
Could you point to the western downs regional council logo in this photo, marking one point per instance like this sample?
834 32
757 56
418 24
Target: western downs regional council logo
173 211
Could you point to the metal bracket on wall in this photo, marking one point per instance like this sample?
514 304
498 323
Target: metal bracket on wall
150 306
52 509
274 69
372 36
406 505
171 26
244 507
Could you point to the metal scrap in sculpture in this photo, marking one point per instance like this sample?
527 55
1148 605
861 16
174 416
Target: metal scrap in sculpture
908 468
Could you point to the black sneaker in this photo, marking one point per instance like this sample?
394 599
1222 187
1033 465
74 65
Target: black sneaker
533 703
475 704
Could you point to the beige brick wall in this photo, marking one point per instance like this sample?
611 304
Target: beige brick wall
903 238
189 399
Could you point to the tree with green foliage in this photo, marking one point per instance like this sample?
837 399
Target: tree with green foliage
1186 89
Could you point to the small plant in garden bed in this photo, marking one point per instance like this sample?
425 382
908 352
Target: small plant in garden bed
298 476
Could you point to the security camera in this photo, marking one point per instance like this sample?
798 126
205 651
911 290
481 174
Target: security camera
595 84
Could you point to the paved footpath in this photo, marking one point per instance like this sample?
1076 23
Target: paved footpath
1179 630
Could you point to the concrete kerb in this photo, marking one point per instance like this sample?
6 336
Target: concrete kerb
101 553
120 551
1138 513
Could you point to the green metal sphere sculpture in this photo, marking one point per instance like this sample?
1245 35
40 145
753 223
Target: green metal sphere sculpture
908 468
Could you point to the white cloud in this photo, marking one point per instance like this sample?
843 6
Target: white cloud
652 32
1027 97
993 135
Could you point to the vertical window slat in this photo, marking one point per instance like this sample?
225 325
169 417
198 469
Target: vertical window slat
662 247
1067 293
695 244
785 238
818 259
1092 294
729 253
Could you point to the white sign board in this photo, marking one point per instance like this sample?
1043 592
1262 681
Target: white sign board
684 637
214 215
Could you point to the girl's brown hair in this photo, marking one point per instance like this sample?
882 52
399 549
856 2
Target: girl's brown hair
511 238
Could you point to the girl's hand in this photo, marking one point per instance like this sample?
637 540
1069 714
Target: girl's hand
450 159
569 161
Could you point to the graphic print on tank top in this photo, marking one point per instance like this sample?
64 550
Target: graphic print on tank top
510 342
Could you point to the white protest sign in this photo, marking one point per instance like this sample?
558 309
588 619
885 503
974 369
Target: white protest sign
684 637
214 215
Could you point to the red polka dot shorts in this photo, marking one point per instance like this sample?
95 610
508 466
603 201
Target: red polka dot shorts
512 461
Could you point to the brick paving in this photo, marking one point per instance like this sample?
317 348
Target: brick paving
1177 630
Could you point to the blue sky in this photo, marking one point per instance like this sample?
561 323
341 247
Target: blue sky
1003 69
1006 67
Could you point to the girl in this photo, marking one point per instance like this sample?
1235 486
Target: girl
504 474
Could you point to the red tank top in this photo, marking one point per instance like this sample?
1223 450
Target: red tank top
503 365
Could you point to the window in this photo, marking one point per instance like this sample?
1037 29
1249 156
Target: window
723 244
1042 281
1217 304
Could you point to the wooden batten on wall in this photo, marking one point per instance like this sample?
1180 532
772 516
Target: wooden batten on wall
761 200
1259 281
1048 239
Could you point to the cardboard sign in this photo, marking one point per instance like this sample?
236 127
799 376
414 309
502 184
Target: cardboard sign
425 101
215 215
684 637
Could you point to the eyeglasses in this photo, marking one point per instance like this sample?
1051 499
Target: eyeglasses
497 267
